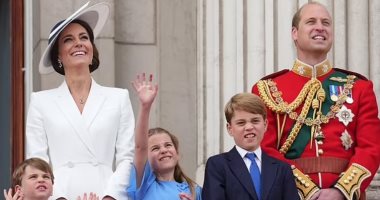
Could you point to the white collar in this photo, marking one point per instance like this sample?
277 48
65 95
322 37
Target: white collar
243 152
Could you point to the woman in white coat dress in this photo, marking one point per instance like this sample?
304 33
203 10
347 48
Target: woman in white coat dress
84 130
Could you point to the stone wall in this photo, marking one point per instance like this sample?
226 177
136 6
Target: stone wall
373 191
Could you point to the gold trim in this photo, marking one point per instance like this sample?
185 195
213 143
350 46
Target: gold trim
349 183
300 120
268 90
272 97
306 187
338 79
315 71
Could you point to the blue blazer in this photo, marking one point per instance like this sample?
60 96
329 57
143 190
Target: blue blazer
227 177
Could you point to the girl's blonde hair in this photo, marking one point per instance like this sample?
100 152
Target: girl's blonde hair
179 175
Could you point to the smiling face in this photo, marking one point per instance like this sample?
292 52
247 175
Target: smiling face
313 35
75 48
247 129
35 184
162 153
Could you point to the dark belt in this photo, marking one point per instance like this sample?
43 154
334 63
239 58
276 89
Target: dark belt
321 164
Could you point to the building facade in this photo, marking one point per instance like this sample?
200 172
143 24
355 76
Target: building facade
202 52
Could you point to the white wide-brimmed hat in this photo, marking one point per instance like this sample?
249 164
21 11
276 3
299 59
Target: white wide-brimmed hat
94 15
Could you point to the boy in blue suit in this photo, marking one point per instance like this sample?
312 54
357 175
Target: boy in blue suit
228 176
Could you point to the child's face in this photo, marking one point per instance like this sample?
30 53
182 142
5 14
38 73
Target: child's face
162 154
35 184
247 129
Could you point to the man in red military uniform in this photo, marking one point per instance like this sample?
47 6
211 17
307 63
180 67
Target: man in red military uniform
322 120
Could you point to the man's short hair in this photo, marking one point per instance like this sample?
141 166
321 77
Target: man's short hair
297 16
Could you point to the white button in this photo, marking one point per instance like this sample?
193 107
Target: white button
95 163
70 164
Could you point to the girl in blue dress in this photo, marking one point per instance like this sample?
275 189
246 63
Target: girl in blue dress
161 177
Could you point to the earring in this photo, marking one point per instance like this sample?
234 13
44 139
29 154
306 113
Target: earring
59 63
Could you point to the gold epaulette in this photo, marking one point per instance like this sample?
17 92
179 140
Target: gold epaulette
351 73
306 187
350 181
276 74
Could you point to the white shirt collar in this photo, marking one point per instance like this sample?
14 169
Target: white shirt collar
243 152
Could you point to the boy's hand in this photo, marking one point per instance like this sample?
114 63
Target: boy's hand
92 196
8 195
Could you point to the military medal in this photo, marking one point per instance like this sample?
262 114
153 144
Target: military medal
349 99
345 115
333 92
346 140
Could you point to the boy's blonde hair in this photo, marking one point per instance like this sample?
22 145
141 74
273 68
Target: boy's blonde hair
247 102
37 163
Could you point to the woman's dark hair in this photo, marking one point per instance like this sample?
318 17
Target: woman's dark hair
54 50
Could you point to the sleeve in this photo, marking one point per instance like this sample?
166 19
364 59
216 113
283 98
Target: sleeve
132 188
306 187
146 182
198 191
365 161
118 182
290 188
36 138
214 182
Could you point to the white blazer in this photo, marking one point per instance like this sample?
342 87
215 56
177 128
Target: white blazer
89 152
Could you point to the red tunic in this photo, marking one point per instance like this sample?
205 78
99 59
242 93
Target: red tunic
364 128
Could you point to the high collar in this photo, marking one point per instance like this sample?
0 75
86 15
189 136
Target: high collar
310 71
